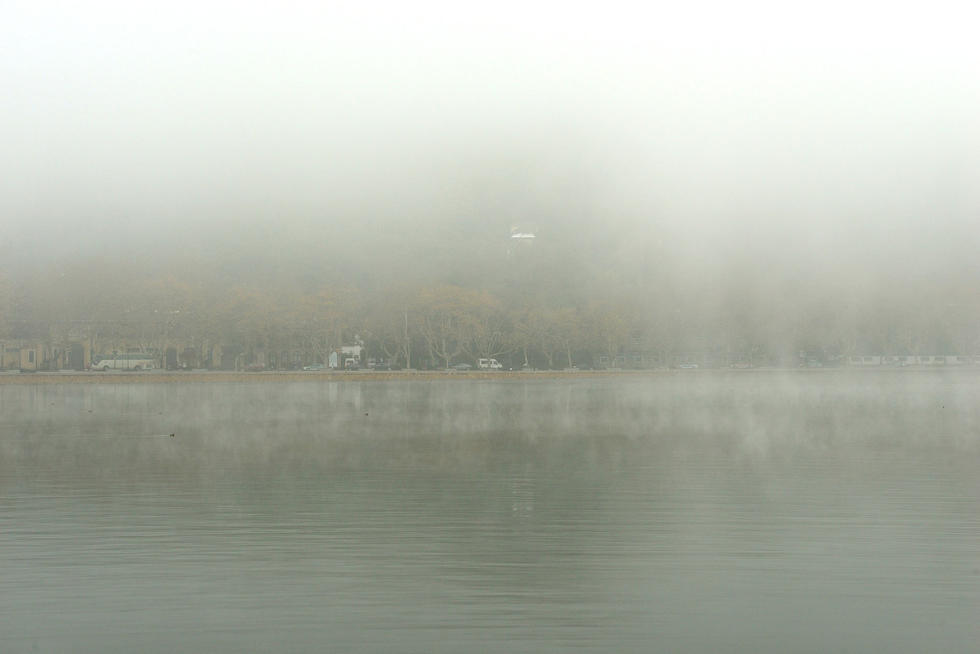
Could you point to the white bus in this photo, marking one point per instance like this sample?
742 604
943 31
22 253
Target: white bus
129 361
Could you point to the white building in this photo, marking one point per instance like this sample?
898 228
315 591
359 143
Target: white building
344 357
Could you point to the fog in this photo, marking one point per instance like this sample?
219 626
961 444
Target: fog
710 128
248 196
120 431
760 159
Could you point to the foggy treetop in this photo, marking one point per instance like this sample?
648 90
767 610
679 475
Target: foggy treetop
749 174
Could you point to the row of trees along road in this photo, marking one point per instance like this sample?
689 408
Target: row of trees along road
546 311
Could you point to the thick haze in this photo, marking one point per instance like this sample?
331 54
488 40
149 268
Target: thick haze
837 137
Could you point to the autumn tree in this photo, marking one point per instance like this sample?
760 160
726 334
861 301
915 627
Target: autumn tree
391 326
488 331
443 319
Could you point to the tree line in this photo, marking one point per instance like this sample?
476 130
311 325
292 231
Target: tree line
536 310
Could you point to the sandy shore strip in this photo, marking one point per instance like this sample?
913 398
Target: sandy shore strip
162 377
168 377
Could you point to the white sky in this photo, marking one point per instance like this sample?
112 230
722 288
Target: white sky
826 118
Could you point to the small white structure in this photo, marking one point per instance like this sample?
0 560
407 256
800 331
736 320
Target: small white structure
521 238
345 357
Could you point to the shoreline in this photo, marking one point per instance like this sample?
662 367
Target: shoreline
211 376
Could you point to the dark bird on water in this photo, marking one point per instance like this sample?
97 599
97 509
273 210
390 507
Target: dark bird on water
171 435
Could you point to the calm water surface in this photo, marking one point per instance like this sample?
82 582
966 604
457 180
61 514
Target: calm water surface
701 512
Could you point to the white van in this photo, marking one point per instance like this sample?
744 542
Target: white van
489 364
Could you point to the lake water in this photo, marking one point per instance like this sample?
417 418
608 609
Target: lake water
689 512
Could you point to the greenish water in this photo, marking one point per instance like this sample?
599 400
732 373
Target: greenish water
698 512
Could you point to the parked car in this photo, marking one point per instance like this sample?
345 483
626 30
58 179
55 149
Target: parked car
462 367
688 366
489 364
314 366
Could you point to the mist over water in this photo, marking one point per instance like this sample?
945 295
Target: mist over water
768 512
766 211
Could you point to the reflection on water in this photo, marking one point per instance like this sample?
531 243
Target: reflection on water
707 512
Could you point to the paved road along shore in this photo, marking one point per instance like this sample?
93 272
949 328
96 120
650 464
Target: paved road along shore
165 377
168 377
